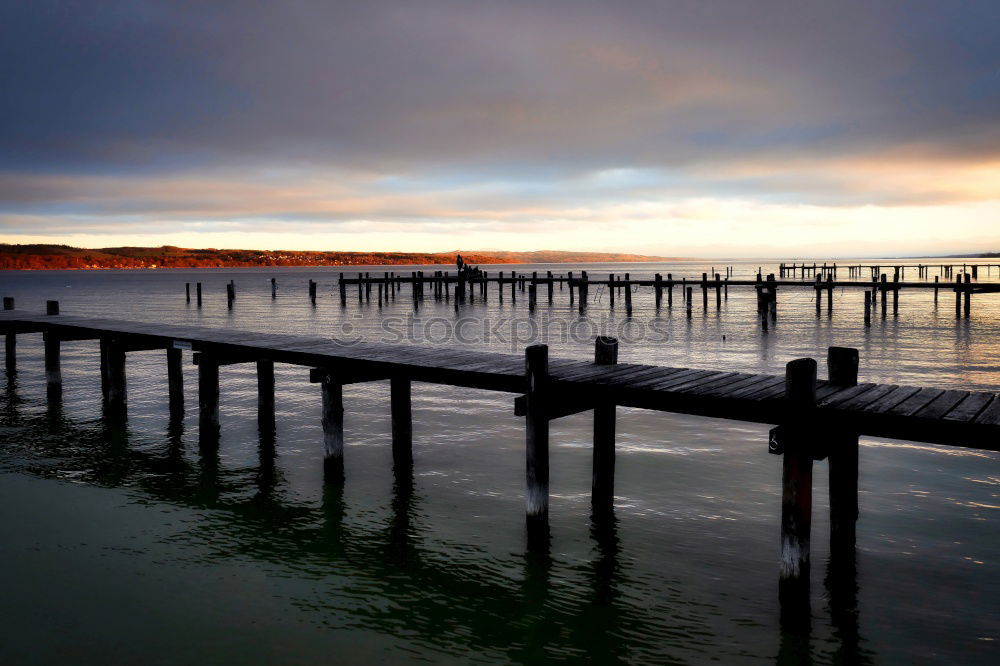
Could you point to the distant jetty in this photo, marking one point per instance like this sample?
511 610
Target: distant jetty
64 257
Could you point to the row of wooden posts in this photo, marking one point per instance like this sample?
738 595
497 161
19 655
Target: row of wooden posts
796 437
874 270
466 288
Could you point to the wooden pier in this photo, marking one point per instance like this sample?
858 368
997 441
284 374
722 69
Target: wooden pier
815 418
714 289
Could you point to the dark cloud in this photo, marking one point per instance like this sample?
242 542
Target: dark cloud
493 86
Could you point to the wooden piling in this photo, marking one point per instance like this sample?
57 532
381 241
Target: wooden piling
549 278
230 294
402 423
689 299
819 295
175 382
115 370
208 399
274 288
10 342
265 395
536 359
628 296
670 290
868 308
198 293
658 290
53 369
704 292
885 303
603 477
611 290
842 368
187 292
958 297
312 292
333 427
796 494
968 296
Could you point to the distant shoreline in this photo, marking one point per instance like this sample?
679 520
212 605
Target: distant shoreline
64 257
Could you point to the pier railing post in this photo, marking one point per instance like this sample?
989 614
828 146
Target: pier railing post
402 424
603 478
796 493
842 366
536 359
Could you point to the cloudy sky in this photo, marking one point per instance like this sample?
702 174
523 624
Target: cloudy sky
702 127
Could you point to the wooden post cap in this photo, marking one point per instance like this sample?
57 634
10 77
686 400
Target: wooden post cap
800 380
51 307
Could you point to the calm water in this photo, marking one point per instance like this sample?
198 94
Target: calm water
128 547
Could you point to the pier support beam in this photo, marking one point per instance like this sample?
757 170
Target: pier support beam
402 423
603 479
536 431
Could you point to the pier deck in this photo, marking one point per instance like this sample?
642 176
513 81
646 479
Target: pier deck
951 417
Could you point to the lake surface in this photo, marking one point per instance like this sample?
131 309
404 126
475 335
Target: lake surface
135 546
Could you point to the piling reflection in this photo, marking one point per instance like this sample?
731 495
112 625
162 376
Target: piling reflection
841 583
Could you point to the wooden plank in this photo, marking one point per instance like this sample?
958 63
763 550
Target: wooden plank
700 381
751 383
846 393
990 414
915 402
970 407
887 402
721 383
682 378
666 377
941 405
868 397
748 392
